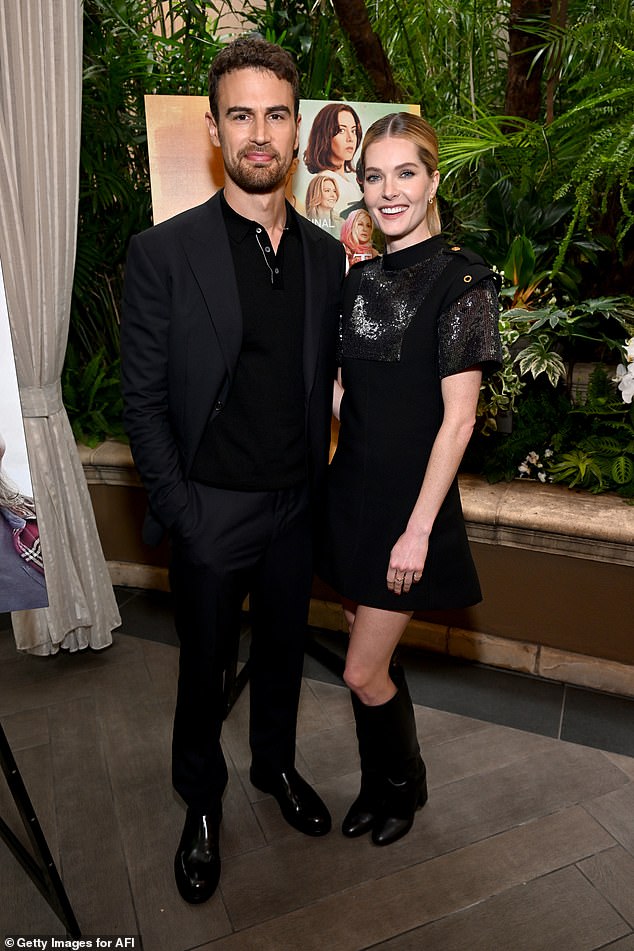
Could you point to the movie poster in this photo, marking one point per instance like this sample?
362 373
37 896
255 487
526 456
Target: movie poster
185 169
22 581
324 184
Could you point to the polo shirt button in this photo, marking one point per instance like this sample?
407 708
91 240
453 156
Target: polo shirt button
218 406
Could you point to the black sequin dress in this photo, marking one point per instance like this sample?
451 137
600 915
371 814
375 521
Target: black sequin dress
409 319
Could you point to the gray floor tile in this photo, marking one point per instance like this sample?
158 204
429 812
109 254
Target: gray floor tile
558 911
36 770
25 729
92 863
437 726
331 752
313 714
615 811
612 874
479 752
386 904
625 944
162 665
334 699
626 763
91 733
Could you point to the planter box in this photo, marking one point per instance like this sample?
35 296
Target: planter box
555 567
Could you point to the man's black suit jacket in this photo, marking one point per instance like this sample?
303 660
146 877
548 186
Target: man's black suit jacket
181 336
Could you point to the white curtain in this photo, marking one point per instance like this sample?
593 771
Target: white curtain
40 115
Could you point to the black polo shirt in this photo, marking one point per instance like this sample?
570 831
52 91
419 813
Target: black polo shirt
258 441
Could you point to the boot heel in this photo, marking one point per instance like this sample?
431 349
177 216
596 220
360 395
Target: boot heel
422 795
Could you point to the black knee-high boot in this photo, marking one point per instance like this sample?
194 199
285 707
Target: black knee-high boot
405 786
393 778
361 814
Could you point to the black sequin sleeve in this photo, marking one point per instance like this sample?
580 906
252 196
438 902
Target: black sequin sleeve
468 331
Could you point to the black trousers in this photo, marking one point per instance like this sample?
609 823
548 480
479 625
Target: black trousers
255 543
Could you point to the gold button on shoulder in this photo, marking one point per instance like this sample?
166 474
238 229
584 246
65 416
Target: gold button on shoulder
456 247
467 278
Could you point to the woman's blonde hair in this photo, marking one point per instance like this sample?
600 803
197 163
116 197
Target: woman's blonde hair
406 125
315 192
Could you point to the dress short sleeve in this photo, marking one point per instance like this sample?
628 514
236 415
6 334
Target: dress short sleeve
468 332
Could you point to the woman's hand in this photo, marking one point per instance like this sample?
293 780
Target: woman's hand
407 561
337 393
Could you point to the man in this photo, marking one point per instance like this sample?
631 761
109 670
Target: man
228 345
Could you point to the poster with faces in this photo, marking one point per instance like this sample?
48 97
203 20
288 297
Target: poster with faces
22 580
322 185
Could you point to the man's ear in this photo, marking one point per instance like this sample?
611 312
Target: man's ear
213 129
299 122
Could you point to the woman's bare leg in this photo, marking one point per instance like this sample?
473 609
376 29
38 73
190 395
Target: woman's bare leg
374 635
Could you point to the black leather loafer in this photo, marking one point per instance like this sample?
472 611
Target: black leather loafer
300 805
197 861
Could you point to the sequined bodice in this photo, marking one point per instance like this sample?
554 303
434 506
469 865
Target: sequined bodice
385 305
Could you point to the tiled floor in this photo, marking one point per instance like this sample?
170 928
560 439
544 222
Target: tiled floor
527 842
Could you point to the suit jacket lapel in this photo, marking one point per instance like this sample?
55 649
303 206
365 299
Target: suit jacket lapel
209 255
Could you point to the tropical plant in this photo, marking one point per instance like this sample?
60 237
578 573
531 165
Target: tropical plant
500 390
518 228
584 444
92 397
593 60
449 57
318 46
556 337
584 155
597 451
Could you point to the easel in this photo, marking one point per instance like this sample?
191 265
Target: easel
43 872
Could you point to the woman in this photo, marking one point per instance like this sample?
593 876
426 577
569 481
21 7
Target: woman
356 237
22 583
419 324
321 197
334 138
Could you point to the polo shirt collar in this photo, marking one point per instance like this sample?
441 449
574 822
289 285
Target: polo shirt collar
239 227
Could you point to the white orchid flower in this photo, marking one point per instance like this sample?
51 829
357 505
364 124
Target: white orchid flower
625 379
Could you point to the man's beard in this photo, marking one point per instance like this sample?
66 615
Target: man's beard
257 180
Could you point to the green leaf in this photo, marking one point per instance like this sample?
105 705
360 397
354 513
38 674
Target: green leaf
519 267
538 358
622 470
